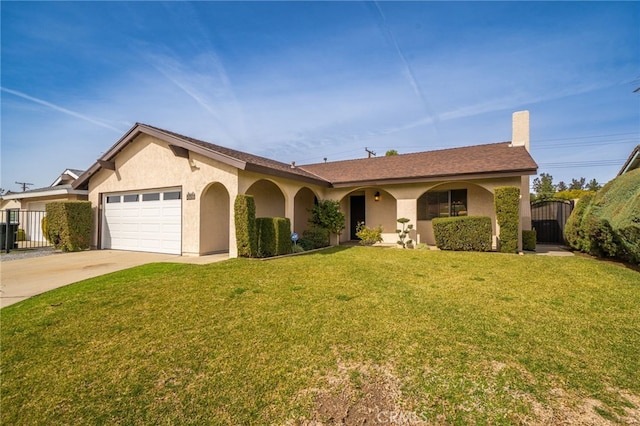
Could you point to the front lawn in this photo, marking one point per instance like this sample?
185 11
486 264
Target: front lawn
348 334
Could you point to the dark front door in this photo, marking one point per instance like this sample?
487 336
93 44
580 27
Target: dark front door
357 213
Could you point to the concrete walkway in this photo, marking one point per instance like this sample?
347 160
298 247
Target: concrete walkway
21 279
551 250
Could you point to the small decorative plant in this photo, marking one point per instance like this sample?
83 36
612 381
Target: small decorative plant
368 236
404 233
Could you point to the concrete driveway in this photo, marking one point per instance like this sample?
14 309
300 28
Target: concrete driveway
21 279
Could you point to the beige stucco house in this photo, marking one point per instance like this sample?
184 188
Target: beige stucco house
155 190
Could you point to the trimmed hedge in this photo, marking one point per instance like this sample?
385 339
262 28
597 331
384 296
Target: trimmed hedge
69 224
574 234
274 236
244 211
266 234
463 233
609 224
315 238
529 240
507 205
282 227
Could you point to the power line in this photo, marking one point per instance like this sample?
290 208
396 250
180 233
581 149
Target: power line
574 164
585 137
587 143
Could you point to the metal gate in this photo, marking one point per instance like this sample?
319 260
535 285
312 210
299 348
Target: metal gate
21 229
548 219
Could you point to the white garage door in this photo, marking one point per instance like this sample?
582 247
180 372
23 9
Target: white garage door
143 221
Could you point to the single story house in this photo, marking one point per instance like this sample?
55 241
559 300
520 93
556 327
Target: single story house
159 191
29 206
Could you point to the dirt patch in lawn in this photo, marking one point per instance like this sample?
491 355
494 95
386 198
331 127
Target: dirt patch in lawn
368 394
358 394
567 410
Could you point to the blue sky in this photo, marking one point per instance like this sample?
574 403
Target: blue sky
300 81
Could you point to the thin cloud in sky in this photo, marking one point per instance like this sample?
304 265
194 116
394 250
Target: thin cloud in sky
61 109
431 117
300 81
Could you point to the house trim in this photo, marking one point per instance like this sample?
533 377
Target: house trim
45 193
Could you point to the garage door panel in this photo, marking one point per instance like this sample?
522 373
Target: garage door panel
143 224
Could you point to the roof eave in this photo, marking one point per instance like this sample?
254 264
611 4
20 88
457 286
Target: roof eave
436 178
138 129
48 193
250 167
632 162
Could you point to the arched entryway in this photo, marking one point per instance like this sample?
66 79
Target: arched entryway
452 199
214 219
303 202
268 198
373 206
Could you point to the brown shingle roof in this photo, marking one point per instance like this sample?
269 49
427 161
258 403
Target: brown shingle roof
498 158
262 164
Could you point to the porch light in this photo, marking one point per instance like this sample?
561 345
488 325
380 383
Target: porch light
376 196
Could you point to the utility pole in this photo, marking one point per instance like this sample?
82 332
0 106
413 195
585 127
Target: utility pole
370 152
25 185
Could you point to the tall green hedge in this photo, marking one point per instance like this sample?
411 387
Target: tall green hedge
274 236
463 233
245 220
608 225
266 234
507 205
69 224
529 239
574 233
282 227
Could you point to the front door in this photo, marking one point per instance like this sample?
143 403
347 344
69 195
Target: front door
357 213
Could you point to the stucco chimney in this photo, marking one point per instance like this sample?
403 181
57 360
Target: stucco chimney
520 129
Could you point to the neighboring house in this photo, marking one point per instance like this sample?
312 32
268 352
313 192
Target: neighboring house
632 163
32 203
158 191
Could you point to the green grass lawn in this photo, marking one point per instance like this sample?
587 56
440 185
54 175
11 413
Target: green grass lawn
387 335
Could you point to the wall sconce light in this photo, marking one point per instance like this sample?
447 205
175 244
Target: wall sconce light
376 196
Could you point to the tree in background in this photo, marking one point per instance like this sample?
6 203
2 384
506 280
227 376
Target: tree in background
390 153
577 183
593 185
544 187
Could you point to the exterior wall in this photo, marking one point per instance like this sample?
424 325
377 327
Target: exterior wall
38 203
214 230
148 163
270 198
405 196
382 212
303 202
479 203
41 202
10 204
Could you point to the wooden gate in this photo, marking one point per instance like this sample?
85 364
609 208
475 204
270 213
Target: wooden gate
548 218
